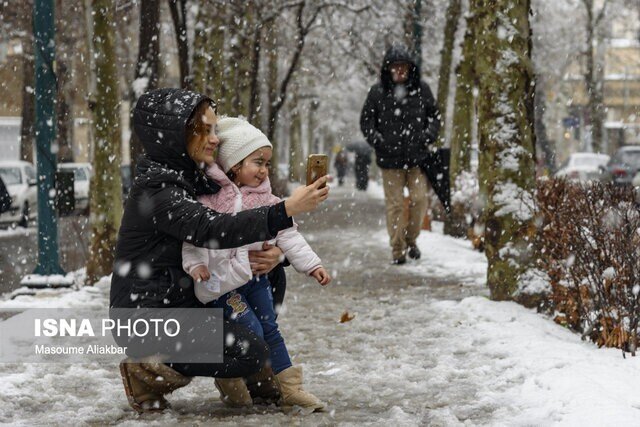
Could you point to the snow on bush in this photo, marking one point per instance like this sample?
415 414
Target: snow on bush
589 244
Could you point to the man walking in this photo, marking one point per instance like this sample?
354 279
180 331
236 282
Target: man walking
400 120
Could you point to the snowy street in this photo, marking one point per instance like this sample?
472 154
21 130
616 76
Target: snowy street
426 347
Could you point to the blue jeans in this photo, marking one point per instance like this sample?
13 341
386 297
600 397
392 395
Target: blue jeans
252 306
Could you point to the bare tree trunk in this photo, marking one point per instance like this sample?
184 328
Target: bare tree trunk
271 47
147 66
462 131
64 44
64 121
417 31
594 75
546 146
295 140
208 51
106 187
178 10
303 30
27 127
507 141
254 90
446 58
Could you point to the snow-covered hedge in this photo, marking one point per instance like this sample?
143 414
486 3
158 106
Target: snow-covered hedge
589 245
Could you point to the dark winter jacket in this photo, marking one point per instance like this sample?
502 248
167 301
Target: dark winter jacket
400 120
161 211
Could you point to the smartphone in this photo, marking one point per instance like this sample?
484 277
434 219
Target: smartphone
317 167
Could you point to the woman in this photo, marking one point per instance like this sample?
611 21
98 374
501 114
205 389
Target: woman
177 130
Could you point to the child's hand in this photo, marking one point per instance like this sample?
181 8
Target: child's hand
200 273
321 275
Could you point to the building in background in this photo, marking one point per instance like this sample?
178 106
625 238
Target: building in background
620 54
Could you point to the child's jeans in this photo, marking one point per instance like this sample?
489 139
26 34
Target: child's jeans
252 306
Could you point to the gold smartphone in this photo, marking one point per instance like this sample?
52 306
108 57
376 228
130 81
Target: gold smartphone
317 167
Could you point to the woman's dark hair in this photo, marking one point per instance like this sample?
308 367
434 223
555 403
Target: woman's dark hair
195 125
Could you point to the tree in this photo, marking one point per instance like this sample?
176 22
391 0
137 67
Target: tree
546 146
106 187
27 125
147 65
295 139
66 40
178 10
446 58
462 130
208 50
505 108
594 72
15 23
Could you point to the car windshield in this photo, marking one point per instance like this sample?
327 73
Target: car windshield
593 161
79 173
10 176
631 158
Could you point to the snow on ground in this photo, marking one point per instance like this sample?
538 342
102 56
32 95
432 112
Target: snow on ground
418 352
443 256
6 231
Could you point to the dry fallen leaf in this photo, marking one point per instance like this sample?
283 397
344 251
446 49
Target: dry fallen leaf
346 317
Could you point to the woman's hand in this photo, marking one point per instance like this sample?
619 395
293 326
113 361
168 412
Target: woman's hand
306 199
265 260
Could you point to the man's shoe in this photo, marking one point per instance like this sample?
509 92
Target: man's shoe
400 260
414 252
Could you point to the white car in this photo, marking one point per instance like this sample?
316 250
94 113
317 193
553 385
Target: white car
583 167
20 179
81 180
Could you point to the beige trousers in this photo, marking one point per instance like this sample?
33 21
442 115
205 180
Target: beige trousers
401 232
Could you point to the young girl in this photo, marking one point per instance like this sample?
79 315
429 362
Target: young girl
223 278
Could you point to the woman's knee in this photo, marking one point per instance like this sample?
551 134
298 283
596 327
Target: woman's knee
245 343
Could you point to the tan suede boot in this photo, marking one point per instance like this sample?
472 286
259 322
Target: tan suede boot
290 384
146 381
233 392
140 397
262 387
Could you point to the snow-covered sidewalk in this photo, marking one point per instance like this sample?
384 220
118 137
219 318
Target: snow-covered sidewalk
426 347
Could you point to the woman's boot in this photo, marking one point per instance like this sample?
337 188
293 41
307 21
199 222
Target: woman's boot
146 381
290 384
262 387
233 392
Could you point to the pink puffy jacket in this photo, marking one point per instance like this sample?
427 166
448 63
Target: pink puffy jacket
230 268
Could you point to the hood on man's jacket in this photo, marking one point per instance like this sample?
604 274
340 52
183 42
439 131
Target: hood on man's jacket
399 53
160 119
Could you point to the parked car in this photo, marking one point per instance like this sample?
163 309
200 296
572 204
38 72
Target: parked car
81 180
19 177
623 165
583 167
5 198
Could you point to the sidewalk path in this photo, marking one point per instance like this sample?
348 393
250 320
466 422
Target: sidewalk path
426 347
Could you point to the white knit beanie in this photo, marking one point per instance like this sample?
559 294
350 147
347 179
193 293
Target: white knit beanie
238 139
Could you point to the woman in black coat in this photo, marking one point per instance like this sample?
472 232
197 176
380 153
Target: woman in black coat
177 130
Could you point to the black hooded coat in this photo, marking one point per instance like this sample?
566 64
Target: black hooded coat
400 121
161 211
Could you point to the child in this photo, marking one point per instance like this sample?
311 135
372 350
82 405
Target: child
223 278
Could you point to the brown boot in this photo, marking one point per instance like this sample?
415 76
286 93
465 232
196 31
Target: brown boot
146 382
140 397
233 392
160 377
290 384
262 387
